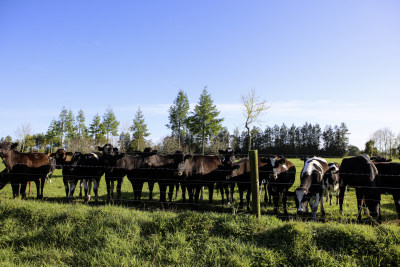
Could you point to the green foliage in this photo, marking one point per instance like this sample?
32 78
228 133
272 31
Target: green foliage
139 129
96 130
110 123
370 148
203 121
178 116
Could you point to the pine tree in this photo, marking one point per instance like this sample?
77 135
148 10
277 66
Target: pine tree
80 124
178 116
204 122
110 123
139 129
96 130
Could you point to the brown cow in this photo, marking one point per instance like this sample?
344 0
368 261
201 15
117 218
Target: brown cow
24 167
194 170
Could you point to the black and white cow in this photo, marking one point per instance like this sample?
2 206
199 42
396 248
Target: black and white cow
332 182
280 174
311 188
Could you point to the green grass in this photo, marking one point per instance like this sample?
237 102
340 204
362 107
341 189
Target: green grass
51 233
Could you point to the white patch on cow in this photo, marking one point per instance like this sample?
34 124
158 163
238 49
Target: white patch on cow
272 160
94 154
310 164
336 187
300 194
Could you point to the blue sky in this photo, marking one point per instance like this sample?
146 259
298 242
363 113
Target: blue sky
322 62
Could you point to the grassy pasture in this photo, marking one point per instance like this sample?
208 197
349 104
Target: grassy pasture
53 233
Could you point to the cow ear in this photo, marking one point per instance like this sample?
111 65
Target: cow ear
115 149
14 146
99 148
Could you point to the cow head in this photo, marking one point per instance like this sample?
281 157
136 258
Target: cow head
228 156
6 147
108 152
275 165
182 165
61 156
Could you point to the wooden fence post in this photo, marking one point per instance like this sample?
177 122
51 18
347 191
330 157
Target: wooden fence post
255 187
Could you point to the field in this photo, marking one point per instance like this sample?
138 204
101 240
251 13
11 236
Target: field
52 233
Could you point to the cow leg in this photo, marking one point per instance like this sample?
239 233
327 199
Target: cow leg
86 189
314 205
15 189
119 192
284 202
341 198
275 197
210 192
163 190
198 189
151 187
232 191
108 186
42 182
96 189
360 198
177 190
171 192
240 197
23 189
80 188
190 189
4 180
248 198
183 187
112 190
66 187
322 203
37 183
72 190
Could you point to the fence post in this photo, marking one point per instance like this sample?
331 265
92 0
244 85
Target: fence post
255 191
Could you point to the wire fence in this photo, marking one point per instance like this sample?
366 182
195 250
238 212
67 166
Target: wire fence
196 181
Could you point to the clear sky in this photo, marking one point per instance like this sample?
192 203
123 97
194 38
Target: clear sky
322 62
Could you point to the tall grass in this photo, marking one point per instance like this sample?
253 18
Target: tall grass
51 233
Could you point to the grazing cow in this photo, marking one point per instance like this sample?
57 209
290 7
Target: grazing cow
388 180
280 174
311 185
163 169
24 167
360 172
332 182
194 170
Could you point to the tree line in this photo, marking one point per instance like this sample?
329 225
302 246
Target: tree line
199 131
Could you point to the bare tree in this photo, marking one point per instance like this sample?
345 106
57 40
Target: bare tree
22 132
254 107
384 140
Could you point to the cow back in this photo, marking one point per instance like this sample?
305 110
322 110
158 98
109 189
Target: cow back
357 171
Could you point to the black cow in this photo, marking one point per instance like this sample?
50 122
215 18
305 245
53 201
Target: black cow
280 174
241 175
115 169
360 172
163 169
24 167
68 163
311 186
388 180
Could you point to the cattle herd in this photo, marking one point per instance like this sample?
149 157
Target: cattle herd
370 177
